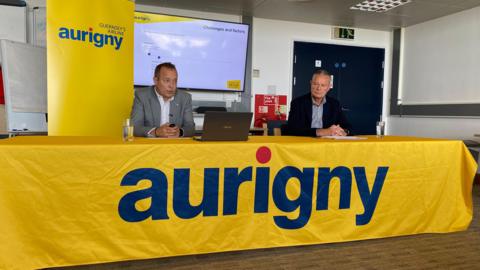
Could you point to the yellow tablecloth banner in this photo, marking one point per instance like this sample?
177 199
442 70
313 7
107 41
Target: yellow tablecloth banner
90 66
82 200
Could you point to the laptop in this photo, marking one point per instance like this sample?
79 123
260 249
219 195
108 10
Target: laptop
226 126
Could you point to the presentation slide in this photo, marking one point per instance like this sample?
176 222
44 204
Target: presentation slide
209 55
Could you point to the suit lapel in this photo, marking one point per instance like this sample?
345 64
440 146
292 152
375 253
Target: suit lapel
326 117
156 110
308 109
175 109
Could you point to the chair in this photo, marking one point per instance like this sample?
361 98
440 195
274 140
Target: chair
265 129
276 127
277 132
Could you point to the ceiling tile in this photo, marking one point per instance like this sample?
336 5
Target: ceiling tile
332 12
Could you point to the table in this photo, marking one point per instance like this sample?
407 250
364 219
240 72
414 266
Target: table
83 200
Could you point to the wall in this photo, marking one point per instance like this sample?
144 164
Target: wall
272 55
36 3
451 128
444 127
272 49
439 55
273 52
12 23
36 22
13 27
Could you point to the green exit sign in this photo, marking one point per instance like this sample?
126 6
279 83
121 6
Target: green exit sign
343 33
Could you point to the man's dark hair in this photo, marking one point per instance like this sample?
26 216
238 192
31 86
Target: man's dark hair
166 65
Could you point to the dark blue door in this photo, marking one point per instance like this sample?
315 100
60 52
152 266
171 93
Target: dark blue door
357 79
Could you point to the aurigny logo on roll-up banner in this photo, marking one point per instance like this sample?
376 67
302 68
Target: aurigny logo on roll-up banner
113 37
234 177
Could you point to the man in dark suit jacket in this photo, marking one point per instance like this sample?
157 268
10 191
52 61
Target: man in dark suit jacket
315 114
161 110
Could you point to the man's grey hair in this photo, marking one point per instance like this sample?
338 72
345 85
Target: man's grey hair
321 72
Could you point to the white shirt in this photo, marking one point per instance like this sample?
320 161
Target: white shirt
164 112
317 113
164 108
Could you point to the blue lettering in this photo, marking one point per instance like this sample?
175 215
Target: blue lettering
304 200
181 190
118 42
72 34
84 34
109 40
262 190
63 33
324 178
97 39
157 193
233 180
369 199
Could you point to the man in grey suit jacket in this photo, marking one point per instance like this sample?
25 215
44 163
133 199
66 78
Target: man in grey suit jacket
161 110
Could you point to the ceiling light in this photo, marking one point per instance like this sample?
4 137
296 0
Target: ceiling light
379 5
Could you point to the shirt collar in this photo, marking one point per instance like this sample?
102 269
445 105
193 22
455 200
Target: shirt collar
160 97
324 100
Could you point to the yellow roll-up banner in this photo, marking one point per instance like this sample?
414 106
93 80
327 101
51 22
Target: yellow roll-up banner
77 200
90 66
